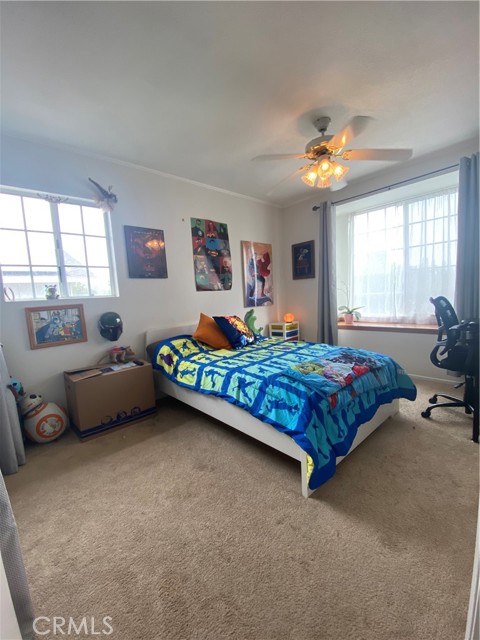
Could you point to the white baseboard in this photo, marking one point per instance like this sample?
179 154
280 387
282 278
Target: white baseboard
444 381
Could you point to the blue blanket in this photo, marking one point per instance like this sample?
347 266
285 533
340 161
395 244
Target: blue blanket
317 394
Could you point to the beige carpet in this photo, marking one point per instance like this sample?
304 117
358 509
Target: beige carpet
180 528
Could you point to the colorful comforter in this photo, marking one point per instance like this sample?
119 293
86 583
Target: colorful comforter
316 393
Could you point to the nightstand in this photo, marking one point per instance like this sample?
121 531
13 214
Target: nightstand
285 330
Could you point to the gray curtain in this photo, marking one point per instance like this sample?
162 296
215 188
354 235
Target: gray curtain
467 280
327 286
12 452
14 567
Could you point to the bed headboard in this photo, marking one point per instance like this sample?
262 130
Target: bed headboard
156 334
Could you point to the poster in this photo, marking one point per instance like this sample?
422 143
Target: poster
146 255
257 273
212 261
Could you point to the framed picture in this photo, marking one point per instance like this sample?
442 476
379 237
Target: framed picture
146 255
55 325
303 260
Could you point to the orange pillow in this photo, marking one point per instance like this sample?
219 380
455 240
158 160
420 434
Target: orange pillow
210 333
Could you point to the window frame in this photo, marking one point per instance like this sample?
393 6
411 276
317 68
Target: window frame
445 182
54 200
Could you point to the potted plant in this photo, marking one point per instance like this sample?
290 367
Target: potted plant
350 313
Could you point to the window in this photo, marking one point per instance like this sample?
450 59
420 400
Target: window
48 241
400 249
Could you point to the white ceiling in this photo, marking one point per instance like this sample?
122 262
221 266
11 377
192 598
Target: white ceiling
197 89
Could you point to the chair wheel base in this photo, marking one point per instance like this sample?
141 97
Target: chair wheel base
433 400
426 413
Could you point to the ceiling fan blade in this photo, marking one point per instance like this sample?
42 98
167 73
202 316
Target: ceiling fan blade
388 155
350 131
280 156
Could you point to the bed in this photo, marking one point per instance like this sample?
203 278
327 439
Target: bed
171 349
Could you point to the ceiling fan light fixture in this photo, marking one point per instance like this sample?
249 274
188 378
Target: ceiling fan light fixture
339 171
310 177
322 172
325 168
324 182
322 152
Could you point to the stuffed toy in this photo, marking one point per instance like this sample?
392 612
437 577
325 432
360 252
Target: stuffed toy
121 354
250 320
117 355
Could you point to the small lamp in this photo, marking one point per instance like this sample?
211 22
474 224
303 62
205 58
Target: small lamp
289 317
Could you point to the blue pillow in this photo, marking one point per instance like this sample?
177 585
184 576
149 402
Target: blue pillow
236 331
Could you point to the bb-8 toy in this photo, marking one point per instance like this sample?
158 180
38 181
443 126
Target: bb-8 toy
42 421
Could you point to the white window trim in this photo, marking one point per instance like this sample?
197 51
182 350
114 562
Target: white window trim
413 190
60 199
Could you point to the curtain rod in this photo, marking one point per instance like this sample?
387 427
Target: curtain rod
393 185
50 197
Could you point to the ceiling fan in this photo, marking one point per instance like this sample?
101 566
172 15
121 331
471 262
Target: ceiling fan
323 151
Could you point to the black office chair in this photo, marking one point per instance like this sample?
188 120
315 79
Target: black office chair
456 350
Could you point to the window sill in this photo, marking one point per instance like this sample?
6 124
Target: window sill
389 326
76 300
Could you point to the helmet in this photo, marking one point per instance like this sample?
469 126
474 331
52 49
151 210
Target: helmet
110 325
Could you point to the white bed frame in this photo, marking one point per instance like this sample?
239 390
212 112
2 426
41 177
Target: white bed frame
240 419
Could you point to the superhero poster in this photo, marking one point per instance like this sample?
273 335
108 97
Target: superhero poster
257 273
212 261
146 255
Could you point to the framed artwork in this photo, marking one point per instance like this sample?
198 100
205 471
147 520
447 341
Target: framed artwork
146 255
303 260
57 325
257 273
212 261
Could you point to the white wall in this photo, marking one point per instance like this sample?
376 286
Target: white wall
300 224
145 199
411 350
